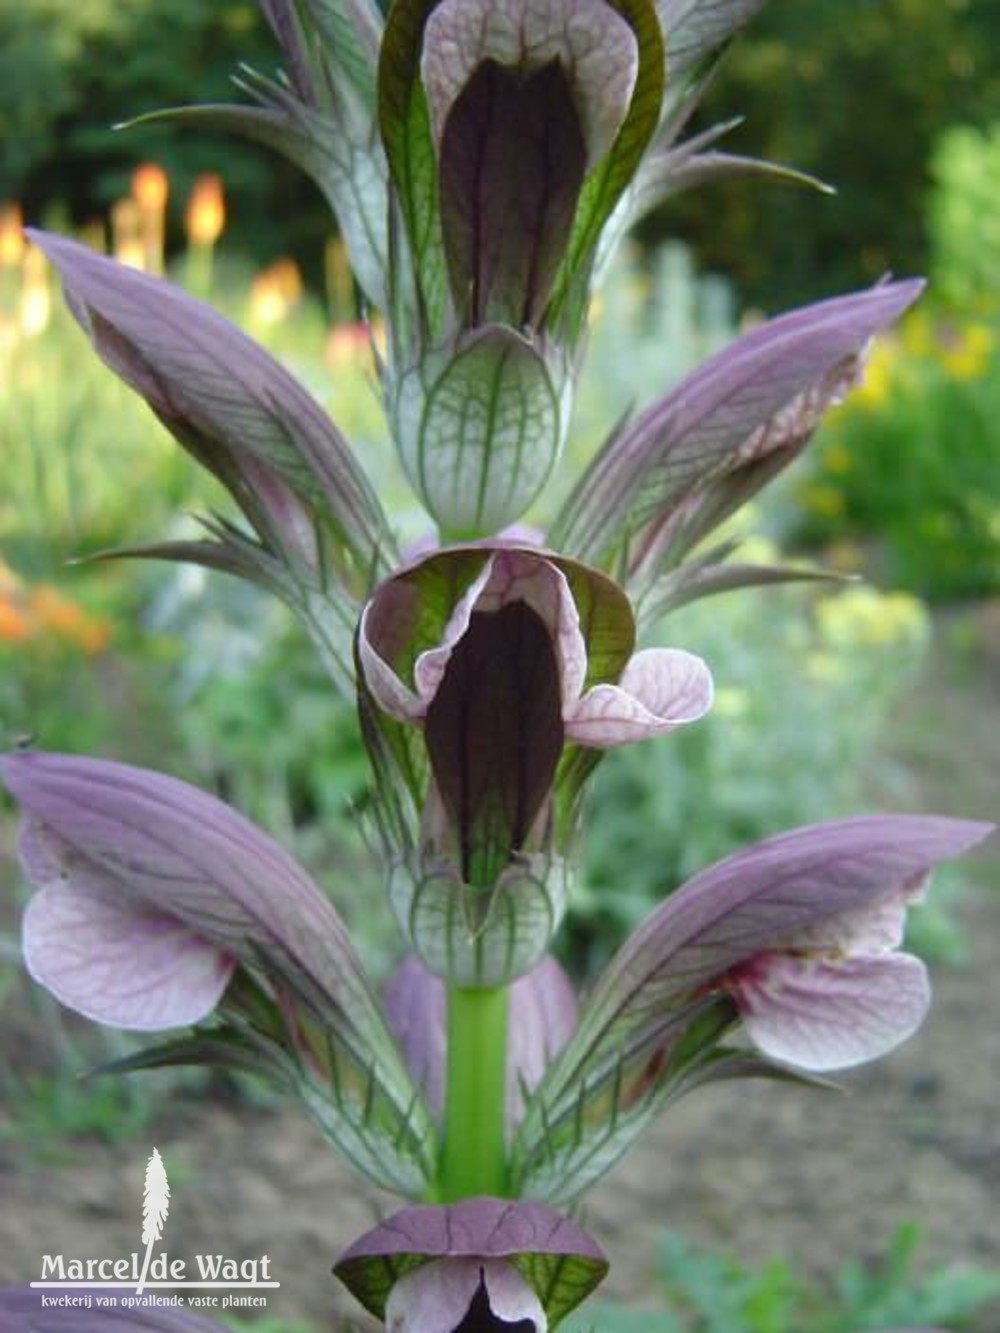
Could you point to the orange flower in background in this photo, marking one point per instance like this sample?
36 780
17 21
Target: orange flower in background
12 244
274 292
205 215
150 187
55 613
14 624
36 298
43 613
126 231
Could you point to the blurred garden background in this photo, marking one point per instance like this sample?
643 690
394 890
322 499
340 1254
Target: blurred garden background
877 688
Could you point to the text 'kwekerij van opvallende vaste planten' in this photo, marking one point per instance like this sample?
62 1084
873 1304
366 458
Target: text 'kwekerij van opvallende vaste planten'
483 159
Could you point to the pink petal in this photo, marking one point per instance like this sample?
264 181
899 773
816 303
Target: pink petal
121 963
151 843
874 928
436 1297
561 1262
521 534
660 689
541 1020
414 1004
820 1014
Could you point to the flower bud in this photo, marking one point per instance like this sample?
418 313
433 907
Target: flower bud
479 424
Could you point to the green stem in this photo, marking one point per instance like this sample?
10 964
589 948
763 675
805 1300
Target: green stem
199 269
473 1157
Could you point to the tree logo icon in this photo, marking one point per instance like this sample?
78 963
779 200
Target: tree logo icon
155 1204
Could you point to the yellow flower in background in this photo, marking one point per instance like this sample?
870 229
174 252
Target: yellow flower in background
35 309
837 459
757 549
126 230
731 701
864 618
966 352
917 334
12 241
150 190
822 500
877 376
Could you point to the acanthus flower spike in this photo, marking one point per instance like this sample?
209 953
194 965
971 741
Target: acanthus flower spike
483 159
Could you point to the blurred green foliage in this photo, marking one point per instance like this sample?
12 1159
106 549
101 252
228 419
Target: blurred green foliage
855 91
69 71
78 447
964 217
910 464
705 1292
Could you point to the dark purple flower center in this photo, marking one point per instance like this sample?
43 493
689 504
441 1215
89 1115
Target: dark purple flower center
494 735
513 160
479 1318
